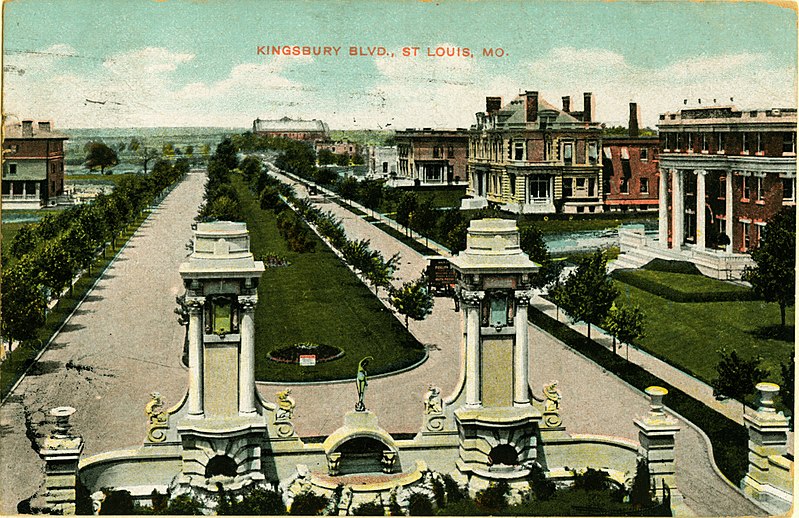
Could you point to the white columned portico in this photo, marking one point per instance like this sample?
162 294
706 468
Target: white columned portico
663 209
195 359
700 208
521 390
728 215
247 358
471 301
677 209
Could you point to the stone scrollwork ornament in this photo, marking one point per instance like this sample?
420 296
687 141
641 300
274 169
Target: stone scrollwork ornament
472 298
284 413
157 418
432 401
523 297
552 417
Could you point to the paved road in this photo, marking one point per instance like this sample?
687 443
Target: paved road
124 341
594 401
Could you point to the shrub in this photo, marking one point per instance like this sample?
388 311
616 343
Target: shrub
369 509
419 505
592 480
664 265
672 291
495 497
308 504
259 501
116 502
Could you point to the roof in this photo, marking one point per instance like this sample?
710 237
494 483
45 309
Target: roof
514 114
14 130
289 124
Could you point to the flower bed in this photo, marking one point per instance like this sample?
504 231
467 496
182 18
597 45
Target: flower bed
292 353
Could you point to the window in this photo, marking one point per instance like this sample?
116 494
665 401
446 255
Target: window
759 188
759 139
592 152
539 188
759 234
624 186
690 145
512 178
438 152
644 154
644 182
746 239
788 189
746 187
789 143
567 153
518 151
385 167
753 113
679 142
450 152
567 188
705 144
722 187
719 142
591 186
12 168
745 143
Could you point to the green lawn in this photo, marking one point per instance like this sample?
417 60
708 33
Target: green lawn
318 299
96 178
688 334
442 197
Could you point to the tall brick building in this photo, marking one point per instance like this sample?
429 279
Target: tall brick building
528 156
432 156
723 173
630 169
33 165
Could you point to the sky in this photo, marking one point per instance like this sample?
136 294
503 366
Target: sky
145 63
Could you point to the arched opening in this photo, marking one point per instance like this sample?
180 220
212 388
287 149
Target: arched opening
361 455
220 465
503 454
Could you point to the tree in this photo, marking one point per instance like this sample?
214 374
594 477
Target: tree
412 300
226 153
372 193
423 218
147 155
625 323
348 187
100 156
250 167
326 157
407 204
22 301
588 292
640 492
737 377
787 371
55 266
189 151
531 241
24 241
774 275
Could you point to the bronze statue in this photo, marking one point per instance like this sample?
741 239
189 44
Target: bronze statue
361 383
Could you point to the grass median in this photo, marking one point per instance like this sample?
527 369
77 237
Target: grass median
318 299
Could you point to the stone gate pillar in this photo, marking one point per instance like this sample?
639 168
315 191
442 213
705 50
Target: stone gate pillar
656 432
61 453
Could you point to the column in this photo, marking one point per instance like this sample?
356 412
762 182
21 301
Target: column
247 358
677 210
700 208
663 209
471 303
38 190
656 433
769 477
521 392
728 222
195 358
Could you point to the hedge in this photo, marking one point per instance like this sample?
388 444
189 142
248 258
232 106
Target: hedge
672 291
729 439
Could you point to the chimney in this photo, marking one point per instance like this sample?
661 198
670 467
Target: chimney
634 118
493 104
588 107
44 126
567 103
27 128
532 106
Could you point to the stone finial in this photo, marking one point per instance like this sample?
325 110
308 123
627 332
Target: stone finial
657 414
62 426
766 397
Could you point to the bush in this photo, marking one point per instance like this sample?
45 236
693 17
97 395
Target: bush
369 509
308 504
592 480
258 502
495 497
116 502
664 265
419 505
672 291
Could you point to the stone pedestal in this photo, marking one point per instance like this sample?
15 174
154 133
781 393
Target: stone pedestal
769 479
61 453
656 433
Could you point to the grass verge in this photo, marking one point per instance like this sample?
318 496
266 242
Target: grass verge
318 299
688 334
729 439
17 362
409 241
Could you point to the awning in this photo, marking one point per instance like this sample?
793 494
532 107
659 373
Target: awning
606 151
625 153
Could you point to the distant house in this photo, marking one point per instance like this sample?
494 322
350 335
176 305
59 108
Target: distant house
382 161
33 165
291 128
432 156
630 169
527 156
343 147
